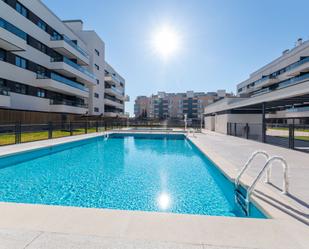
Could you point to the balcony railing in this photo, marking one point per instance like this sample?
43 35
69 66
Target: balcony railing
74 65
113 99
116 90
63 80
297 64
115 78
13 29
71 43
68 103
282 84
4 91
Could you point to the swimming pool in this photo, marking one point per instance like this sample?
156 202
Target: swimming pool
148 172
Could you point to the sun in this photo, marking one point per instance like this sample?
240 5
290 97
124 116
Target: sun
165 41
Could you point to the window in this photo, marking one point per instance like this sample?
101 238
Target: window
41 71
41 93
97 67
96 109
97 52
98 82
21 9
19 88
96 95
41 25
20 62
2 55
42 48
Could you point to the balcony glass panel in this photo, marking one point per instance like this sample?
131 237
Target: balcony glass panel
71 43
63 80
73 64
10 27
68 103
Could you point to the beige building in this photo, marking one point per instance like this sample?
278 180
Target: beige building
175 105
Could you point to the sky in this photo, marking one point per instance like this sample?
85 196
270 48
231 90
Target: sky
220 41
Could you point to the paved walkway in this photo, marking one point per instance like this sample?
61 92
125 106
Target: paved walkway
237 151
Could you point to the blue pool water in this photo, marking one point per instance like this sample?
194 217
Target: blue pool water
164 173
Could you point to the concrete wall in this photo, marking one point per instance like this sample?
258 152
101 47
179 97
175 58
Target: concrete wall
218 123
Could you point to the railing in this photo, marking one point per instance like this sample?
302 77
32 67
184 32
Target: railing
71 43
63 80
14 133
13 29
292 135
113 77
282 84
116 90
68 103
74 65
244 199
113 99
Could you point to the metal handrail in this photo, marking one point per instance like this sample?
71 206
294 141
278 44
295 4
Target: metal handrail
285 187
254 154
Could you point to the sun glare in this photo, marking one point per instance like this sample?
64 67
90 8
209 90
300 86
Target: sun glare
166 41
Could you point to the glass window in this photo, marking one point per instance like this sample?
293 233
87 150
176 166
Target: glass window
42 25
97 67
19 88
96 109
41 93
96 95
21 9
97 52
98 82
20 62
2 55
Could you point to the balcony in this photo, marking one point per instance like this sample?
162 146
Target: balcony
113 102
66 106
266 81
5 99
115 92
11 37
72 69
301 66
112 79
67 47
60 84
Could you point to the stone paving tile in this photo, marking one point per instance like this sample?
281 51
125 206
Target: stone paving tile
15 239
64 241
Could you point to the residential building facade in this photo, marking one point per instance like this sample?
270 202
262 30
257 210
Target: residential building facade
277 91
51 66
175 105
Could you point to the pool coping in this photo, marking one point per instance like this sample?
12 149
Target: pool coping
37 217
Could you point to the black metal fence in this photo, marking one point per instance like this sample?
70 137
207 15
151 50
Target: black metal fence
20 133
293 136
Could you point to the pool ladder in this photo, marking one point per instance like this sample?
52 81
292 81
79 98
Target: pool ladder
106 136
242 196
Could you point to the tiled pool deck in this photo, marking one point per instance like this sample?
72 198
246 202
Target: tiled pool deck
40 226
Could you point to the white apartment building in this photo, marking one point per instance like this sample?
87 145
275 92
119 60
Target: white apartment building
277 91
52 66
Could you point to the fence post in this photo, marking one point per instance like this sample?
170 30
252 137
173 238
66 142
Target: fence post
71 128
247 131
17 132
235 129
86 127
97 126
291 136
50 130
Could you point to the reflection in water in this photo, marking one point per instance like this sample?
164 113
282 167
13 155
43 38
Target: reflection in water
164 201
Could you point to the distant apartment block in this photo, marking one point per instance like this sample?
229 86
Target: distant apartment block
278 91
175 105
52 66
